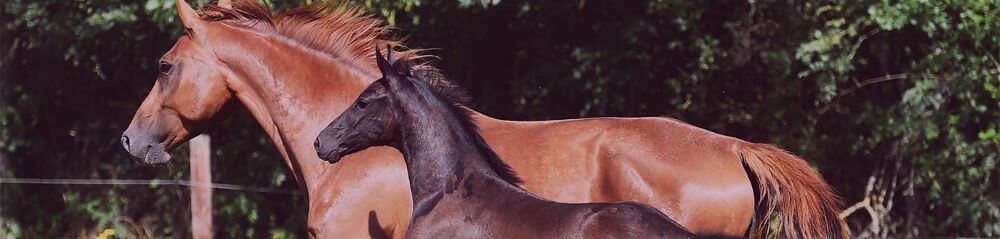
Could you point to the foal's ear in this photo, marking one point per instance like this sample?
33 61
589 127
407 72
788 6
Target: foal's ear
383 64
389 75
390 67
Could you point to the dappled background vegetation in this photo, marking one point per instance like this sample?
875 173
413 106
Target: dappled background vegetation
894 102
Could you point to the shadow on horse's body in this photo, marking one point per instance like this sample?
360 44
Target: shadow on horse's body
460 187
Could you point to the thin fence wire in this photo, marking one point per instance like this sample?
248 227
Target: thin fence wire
155 182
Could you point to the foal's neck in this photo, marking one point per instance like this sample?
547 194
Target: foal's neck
439 150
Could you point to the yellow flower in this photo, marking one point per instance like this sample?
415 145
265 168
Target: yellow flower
107 233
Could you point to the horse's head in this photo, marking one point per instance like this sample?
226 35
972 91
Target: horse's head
189 94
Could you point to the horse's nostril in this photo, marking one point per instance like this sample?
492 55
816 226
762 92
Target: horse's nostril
125 142
316 144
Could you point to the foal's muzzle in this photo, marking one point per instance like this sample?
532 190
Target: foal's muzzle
331 156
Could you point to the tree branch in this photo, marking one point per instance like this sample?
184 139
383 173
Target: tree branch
858 85
868 189
850 210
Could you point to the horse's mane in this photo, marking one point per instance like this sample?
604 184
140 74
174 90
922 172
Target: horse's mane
345 32
349 33
457 98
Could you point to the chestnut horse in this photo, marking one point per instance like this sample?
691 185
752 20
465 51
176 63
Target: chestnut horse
460 187
296 71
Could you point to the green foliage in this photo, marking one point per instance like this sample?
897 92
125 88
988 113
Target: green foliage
73 73
943 119
851 86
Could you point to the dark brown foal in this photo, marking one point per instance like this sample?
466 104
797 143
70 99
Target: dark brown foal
460 187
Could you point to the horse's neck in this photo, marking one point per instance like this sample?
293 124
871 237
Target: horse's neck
439 153
293 93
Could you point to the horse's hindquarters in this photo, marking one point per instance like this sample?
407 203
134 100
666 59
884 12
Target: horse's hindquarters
690 174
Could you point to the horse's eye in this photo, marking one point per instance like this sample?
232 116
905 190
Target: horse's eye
165 67
362 104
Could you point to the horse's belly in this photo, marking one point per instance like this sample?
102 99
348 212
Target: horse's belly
561 170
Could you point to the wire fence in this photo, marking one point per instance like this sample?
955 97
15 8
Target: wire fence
153 182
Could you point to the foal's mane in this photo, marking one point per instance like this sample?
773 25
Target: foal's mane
344 31
457 98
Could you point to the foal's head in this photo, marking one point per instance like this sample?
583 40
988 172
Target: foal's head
405 101
373 118
404 93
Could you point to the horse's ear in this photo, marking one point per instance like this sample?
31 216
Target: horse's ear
188 16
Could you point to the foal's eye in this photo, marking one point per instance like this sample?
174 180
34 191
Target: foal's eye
362 104
165 67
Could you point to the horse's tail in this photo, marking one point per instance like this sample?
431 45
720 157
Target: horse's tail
807 207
